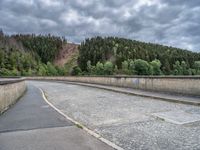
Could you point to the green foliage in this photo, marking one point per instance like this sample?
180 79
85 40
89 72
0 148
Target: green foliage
61 70
156 67
99 68
116 70
120 50
16 62
76 71
108 68
22 55
42 70
51 70
89 66
185 68
2 57
181 69
5 72
142 67
29 72
72 61
197 67
125 68
177 68
132 67
47 47
33 55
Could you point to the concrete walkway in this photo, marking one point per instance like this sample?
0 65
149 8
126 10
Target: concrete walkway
131 122
177 98
32 124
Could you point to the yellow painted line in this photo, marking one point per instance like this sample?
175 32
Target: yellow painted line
82 126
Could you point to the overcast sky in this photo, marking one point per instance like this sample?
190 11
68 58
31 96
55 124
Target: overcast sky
169 22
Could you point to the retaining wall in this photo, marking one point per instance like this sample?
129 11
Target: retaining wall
189 85
10 91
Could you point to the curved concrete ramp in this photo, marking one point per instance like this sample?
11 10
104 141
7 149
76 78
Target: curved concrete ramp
126 120
32 124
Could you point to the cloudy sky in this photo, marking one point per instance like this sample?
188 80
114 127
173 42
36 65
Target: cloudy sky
169 22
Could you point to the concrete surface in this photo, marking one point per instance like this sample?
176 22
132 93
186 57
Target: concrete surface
59 138
10 91
31 124
9 80
189 85
31 112
185 99
178 117
126 120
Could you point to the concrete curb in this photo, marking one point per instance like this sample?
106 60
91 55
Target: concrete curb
135 94
81 126
11 80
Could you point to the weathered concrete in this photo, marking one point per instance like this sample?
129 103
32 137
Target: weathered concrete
180 85
177 98
10 91
126 120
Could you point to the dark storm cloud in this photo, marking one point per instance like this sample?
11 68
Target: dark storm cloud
171 22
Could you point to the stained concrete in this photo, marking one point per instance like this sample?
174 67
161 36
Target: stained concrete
187 85
10 91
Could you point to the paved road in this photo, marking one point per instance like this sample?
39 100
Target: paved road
131 122
32 124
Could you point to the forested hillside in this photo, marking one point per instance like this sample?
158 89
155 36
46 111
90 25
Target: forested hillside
67 57
112 55
50 55
30 55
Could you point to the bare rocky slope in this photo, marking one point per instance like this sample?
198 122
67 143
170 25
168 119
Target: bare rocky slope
67 56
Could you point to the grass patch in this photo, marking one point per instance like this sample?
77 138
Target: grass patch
79 126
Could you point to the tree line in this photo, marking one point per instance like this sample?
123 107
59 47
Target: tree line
34 54
136 67
135 57
26 55
47 47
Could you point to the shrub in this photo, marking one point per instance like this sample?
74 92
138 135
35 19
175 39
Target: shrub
108 68
99 68
125 69
156 67
197 67
142 67
76 71
51 70
42 70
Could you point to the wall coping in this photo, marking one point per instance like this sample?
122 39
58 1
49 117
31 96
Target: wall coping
9 80
126 76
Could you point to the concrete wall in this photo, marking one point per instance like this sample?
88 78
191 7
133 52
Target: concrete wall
10 91
181 85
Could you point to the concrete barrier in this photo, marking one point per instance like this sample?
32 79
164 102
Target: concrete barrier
189 85
10 91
